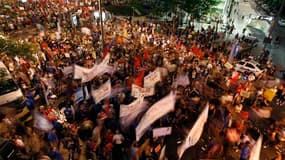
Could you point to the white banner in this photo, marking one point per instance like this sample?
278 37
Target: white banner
195 133
67 70
156 111
87 74
98 70
255 151
79 71
138 91
162 131
129 112
151 79
102 92
163 71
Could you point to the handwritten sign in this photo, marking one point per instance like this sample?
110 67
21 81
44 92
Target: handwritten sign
141 92
162 131
151 79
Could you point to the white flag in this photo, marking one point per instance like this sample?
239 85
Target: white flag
102 92
195 133
151 79
255 151
129 112
41 122
156 111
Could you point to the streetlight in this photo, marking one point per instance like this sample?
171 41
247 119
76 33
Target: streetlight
101 24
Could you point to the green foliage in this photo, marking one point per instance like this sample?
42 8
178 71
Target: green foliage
13 48
196 8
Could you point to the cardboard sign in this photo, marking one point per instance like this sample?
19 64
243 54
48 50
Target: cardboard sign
138 91
151 79
162 131
228 65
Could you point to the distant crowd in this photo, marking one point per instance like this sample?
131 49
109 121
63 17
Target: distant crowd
193 63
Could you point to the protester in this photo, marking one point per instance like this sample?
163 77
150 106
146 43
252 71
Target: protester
84 87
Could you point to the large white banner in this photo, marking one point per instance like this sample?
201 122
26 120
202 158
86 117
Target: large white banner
195 133
87 74
102 92
156 111
162 131
98 70
255 151
138 91
79 71
151 79
67 70
129 112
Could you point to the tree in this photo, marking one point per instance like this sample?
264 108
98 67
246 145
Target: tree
15 48
198 8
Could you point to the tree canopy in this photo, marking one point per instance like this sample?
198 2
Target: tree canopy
196 8
13 47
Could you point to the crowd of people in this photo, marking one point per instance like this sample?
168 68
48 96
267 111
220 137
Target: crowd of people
90 130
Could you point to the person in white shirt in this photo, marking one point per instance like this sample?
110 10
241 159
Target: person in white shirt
118 140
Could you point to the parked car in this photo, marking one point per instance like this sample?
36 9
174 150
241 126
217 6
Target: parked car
281 22
248 66
10 93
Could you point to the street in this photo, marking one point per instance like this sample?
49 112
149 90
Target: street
215 131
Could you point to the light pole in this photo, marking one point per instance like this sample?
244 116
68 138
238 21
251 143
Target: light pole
101 24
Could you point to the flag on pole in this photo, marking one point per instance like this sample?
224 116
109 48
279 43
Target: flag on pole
195 133
155 112
129 112
255 151
41 123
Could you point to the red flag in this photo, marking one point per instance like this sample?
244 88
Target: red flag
197 51
139 79
234 78
145 55
137 62
106 50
